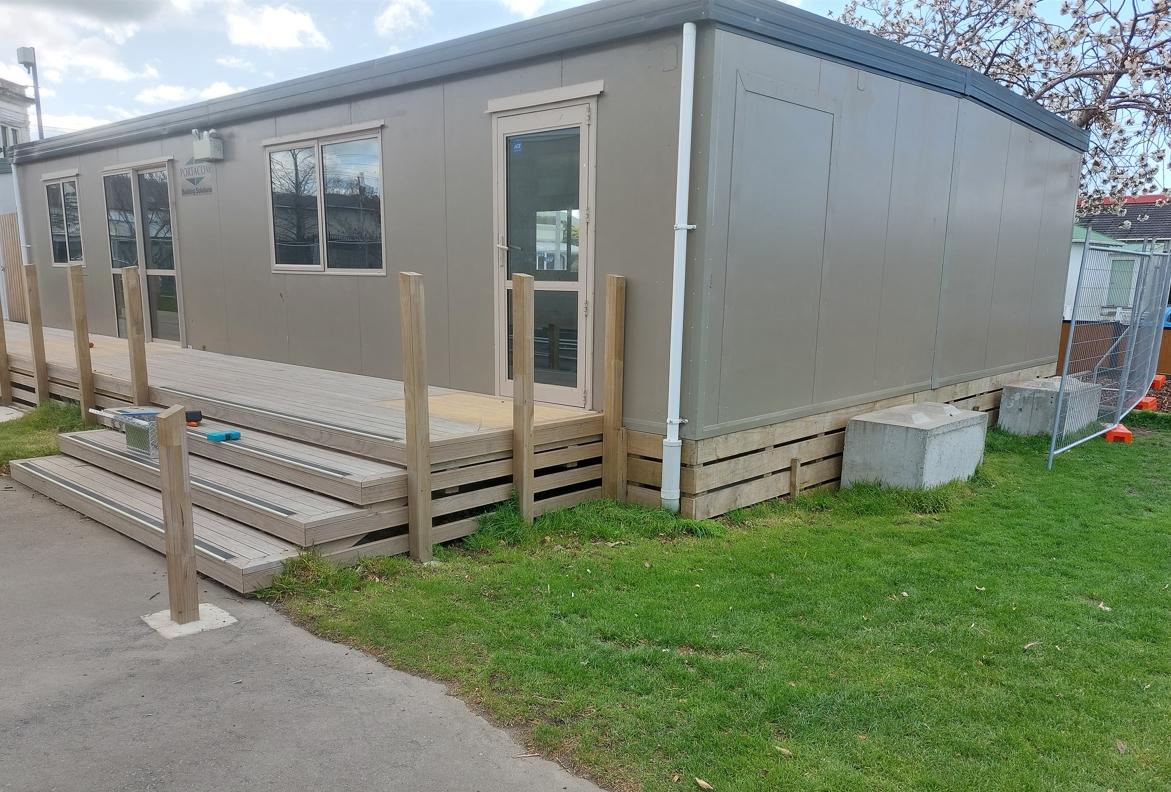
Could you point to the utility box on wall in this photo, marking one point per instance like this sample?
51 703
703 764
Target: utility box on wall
208 146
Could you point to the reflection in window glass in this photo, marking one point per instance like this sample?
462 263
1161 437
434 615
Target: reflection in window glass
543 203
155 200
57 224
120 221
72 220
352 182
293 182
64 221
554 337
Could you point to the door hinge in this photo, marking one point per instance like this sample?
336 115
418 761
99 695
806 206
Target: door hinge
587 309
589 115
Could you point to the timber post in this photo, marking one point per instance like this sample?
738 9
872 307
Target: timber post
523 471
36 333
182 586
135 335
614 358
85 369
418 417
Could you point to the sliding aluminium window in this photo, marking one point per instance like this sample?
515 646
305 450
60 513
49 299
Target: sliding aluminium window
326 204
64 221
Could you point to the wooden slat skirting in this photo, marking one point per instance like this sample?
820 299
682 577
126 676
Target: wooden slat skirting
743 468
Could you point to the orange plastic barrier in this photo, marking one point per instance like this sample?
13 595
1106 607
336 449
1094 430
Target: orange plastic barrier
1119 434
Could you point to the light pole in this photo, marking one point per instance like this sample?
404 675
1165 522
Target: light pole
27 57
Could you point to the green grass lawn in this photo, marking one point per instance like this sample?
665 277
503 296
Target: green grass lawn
35 433
1013 633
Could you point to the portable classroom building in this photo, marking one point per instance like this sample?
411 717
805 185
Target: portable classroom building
871 224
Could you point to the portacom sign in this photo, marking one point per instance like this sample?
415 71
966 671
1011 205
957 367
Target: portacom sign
197 178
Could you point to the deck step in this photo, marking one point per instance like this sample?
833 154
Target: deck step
319 431
293 514
234 554
350 478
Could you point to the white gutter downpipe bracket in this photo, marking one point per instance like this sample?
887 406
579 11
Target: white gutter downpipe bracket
672 446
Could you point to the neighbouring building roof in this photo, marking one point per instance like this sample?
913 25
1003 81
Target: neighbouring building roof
14 94
1079 235
1138 217
585 26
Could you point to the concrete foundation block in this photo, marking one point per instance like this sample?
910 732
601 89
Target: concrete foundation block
1027 408
914 446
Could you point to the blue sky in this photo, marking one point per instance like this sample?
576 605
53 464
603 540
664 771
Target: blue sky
105 60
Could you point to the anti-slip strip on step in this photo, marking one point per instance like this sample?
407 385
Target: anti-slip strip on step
259 503
153 523
277 455
286 416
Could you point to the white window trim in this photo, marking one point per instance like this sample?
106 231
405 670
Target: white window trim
60 178
529 101
370 131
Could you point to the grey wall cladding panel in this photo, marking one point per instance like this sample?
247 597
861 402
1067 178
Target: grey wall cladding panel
775 248
1016 248
982 146
857 214
1062 176
915 237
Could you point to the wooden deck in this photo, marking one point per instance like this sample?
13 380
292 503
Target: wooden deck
247 390
321 461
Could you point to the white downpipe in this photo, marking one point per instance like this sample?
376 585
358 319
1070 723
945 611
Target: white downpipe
671 445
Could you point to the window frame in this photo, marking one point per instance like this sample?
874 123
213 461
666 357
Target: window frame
316 141
60 180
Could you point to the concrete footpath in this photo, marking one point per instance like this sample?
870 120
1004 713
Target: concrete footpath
91 698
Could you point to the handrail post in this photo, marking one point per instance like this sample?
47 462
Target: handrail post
523 472
85 369
135 335
613 438
182 586
36 334
418 418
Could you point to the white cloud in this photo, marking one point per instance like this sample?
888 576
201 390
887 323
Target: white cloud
273 27
60 124
217 89
234 62
174 94
71 42
523 8
163 94
402 16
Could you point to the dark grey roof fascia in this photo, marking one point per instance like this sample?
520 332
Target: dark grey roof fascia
575 28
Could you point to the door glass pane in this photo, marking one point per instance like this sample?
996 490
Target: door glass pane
163 300
352 179
155 201
543 211
119 304
293 174
120 221
72 221
554 337
57 223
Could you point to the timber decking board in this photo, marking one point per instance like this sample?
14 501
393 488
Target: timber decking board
365 406
350 478
291 513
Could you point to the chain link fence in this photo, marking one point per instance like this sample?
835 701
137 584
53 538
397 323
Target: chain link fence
1112 346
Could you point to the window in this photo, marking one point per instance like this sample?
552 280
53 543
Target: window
9 137
327 204
64 221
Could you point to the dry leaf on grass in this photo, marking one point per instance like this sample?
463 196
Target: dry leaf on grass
785 752
1104 607
1031 644
699 782
1120 746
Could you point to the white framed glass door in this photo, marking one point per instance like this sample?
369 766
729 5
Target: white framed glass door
139 214
543 179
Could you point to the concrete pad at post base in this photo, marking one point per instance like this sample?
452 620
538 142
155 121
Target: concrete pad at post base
210 618
1028 408
914 446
